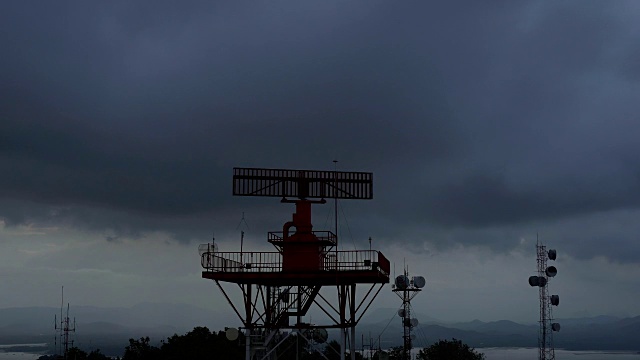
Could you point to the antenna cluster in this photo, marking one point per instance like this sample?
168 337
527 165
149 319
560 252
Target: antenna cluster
541 280
63 329
407 288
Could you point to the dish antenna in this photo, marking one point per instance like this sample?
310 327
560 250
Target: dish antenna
533 280
232 334
402 282
551 271
540 281
321 335
419 282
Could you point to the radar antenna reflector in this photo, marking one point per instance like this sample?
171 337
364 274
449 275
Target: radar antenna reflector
302 184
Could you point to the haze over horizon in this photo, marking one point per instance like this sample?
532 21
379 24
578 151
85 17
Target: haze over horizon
485 125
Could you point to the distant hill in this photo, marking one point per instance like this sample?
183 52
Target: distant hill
383 315
180 317
501 327
110 328
592 333
594 320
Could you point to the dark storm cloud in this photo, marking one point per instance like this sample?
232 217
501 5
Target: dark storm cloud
470 116
269 105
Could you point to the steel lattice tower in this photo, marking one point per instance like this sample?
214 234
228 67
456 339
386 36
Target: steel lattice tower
547 326
407 289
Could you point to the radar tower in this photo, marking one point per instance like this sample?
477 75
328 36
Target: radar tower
279 288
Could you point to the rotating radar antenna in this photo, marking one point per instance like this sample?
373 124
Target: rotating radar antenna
541 280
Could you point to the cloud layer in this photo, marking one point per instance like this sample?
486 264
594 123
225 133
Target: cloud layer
483 124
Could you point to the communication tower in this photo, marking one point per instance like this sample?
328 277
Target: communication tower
407 288
279 288
547 326
63 329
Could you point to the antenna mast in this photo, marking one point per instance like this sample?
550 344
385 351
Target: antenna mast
407 289
64 329
547 326
335 200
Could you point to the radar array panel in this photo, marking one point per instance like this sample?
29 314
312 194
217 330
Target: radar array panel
303 184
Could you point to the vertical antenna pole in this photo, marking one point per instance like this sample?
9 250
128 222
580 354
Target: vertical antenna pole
55 337
335 200
62 322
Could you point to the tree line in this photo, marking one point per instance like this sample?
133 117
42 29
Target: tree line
203 344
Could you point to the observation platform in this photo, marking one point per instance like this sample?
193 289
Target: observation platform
265 268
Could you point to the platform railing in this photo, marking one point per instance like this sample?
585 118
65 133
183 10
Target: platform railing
357 260
277 236
242 261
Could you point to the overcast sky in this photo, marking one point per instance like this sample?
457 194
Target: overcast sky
484 123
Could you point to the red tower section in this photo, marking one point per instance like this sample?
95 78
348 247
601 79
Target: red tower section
280 287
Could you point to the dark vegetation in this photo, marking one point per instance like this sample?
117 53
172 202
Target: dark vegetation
77 354
449 350
442 350
202 344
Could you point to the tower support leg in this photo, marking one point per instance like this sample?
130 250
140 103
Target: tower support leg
342 300
352 311
247 348
248 320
